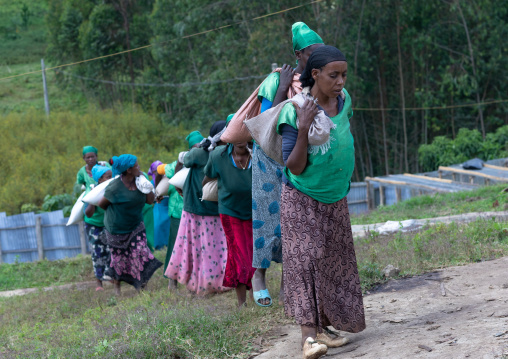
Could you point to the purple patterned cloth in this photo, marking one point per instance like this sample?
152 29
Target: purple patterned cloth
321 281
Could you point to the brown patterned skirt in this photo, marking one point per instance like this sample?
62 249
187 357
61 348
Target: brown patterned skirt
321 281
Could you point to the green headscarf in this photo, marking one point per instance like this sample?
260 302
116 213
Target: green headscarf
230 117
194 137
88 149
304 37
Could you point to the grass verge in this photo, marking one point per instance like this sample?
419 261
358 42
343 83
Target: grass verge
157 323
484 199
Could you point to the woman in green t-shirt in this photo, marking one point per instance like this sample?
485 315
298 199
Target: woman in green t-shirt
84 176
131 259
94 225
232 166
321 281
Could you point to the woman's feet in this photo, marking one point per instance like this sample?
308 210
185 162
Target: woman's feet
313 350
261 295
173 284
116 284
99 287
331 342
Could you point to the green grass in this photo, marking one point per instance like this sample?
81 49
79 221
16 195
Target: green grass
64 271
483 199
158 323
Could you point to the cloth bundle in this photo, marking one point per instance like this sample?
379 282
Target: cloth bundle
236 130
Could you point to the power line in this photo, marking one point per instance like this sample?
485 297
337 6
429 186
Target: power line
183 84
166 42
429 108
212 82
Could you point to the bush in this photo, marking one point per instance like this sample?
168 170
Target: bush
41 156
467 145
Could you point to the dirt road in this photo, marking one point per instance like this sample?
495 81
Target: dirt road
457 312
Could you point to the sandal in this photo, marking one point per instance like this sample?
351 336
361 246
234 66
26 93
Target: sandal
331 342
99 289
262 294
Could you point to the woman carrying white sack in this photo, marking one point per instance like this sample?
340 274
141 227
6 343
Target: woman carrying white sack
123 201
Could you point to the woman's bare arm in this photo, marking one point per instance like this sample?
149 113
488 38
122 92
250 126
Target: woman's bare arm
104 203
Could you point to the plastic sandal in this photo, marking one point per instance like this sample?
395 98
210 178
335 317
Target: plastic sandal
262 294
99 289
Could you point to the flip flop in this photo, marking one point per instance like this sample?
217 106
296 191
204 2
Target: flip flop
262 294
99 289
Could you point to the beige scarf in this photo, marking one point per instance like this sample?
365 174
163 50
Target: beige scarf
263 129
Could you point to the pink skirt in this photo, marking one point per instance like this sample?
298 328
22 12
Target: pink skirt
199 255
239 268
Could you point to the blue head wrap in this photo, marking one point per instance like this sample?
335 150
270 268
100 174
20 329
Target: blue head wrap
98 172
122 163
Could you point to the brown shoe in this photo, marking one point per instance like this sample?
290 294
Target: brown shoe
313 349
331 342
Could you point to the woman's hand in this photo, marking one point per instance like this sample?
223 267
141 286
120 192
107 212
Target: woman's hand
150 197
306 114
206 179
286 77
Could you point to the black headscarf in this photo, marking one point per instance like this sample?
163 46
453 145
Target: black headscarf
319 58
216 128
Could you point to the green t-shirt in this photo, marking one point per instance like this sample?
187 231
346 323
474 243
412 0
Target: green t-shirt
196 160
84 178
97 218
175 202
269 87
327 177
235 184
126 209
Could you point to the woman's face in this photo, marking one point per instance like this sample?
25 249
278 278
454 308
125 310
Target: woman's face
303 55
331 78
135 170
90 159
106 176
240 145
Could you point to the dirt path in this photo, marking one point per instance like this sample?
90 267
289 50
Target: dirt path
457 312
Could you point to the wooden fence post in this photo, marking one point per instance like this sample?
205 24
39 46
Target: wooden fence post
82 238
367 193
382 200
1 261
38 235
398 194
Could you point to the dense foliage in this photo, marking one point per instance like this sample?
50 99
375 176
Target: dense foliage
400 53
41 156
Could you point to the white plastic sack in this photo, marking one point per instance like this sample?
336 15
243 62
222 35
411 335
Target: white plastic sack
77 211
178 180
144 185
211 191
162 188
96 194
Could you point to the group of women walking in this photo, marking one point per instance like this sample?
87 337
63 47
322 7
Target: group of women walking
275 202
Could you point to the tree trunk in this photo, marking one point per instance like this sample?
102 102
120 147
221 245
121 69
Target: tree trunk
403 101
471 58
383 120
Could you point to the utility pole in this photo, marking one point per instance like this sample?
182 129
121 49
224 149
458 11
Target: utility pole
46 100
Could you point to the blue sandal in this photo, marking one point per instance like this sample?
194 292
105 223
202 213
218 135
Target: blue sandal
262 294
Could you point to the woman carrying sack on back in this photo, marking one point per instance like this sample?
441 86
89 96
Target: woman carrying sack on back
266 173
131 259
321 281
94 225
198 260
232 166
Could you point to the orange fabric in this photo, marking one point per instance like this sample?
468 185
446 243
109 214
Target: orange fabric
236 130
161 169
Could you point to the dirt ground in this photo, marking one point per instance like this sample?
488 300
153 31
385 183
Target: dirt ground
457 312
